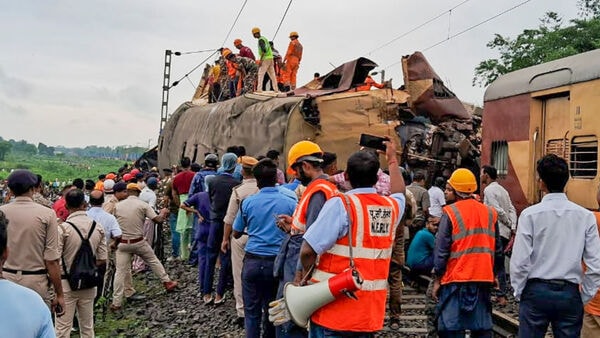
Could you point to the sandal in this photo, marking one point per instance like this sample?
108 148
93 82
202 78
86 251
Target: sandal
208 300
220 301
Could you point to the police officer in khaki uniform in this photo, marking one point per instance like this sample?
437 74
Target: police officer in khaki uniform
69 244
110 197
247 188
130 214
33 242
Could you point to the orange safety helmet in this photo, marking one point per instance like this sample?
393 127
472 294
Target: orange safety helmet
302 149
463 180
237 42
294 34
255 30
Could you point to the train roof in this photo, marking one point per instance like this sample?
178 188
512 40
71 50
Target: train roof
572 69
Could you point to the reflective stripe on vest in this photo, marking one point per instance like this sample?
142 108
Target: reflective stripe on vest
473 242
368 285
464 232
373 224
299 216
359 252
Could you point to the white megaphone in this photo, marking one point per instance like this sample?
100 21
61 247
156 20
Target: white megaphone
302 301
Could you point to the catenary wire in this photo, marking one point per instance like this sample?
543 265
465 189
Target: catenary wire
214 50
234 23
175 83
417 27
282 18
467 29
194 52
477 25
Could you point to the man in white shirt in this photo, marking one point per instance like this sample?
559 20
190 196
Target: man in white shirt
553 238
497 197
436 196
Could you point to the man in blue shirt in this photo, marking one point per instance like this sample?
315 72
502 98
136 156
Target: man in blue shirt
257 218
199 205
23 313
420 253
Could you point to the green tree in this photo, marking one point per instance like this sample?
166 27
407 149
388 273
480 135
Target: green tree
551 40
5 148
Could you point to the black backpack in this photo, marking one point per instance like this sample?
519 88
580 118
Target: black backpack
83 273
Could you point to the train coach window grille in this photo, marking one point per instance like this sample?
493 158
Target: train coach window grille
583 160
558 147
500 157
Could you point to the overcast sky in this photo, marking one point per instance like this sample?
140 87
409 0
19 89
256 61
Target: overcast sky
78 73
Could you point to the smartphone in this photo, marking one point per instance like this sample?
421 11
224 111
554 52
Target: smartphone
371 141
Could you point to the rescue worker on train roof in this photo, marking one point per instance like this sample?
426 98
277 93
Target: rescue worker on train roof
466 246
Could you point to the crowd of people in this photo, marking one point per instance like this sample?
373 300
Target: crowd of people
246 228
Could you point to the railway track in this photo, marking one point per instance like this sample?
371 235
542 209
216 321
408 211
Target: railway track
413 322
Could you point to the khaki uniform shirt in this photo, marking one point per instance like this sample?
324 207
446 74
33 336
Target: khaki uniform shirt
110 203
32 235
69 241
40 199
247 188
131 214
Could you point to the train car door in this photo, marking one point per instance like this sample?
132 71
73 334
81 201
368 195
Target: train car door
555 127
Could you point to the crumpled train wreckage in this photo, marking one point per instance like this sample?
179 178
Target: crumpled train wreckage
438 133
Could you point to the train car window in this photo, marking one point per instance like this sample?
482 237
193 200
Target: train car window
583 160
500 157
195 153
183 149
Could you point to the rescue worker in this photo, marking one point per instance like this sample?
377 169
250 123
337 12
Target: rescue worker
341 223
245 51
233 75
214 87
247 68
78 225
265 60
36 263
292 59
130 214
369 82
466 247
304 161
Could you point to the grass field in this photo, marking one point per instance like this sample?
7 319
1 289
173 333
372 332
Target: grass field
59 167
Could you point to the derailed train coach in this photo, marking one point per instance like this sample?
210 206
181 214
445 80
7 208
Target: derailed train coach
551 108
434 128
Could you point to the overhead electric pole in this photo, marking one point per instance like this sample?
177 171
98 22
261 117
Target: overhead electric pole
165 90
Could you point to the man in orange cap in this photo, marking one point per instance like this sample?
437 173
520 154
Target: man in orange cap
245 51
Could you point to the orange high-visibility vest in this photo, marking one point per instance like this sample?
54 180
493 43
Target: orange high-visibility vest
369 82
294 51
374 221
299 216
473 242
